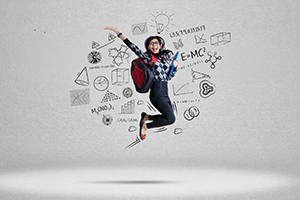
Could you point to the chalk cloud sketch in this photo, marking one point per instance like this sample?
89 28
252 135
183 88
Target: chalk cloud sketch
139 28
213 58
79 97
206 89
101 83
177 131
162 20
82 78
132 128
220 38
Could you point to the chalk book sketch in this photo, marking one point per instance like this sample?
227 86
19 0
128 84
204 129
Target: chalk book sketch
220 38
80 97
120 76
162 21
82 78
206 89
139 28
119 55
181 89
109 96
101 83
200 39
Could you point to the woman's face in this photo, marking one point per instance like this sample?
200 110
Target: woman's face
154 46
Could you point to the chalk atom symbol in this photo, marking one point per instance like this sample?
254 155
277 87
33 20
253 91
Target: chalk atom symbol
207 89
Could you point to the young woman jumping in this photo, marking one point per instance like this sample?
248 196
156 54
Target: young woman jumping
159 90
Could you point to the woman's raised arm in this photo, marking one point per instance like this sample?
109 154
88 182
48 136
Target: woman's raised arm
115 29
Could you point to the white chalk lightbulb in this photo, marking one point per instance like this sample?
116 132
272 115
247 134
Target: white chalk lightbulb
161 21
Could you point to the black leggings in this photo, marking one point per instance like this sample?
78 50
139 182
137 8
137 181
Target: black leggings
160 99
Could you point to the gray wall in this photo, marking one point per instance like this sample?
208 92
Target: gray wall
250 120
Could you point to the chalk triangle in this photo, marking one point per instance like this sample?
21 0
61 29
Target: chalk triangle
111 37
82 78
109 96
198 75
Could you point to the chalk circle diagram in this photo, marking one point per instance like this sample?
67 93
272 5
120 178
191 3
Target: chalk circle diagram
127 92
82 78
101 83
206 89
191 113
107 119
94 57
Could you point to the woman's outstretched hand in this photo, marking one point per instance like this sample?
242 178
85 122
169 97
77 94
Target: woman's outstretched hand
175 63
112 28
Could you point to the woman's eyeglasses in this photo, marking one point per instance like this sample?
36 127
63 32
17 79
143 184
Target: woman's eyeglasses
153 43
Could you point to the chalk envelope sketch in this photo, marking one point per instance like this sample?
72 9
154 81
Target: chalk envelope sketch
139 28
82 78
181 89
220 38
80 97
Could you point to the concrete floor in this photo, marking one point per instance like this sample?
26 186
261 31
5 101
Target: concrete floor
148 183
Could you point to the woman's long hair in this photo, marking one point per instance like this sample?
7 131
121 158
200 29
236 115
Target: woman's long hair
163 53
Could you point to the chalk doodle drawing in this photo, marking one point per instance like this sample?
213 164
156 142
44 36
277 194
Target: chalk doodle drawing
220 38
107 119
137 140
120 76
162 21
212 59
179 89
161 129
139 28
94 57
80 97
191 113
198 75
127 92
82 78
132 128
200 39
101 83
109 96
177 131
128 107
140 102
206 89
178 44
97 46
118 55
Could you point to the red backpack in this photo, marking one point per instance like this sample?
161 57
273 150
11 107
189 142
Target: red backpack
142 74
